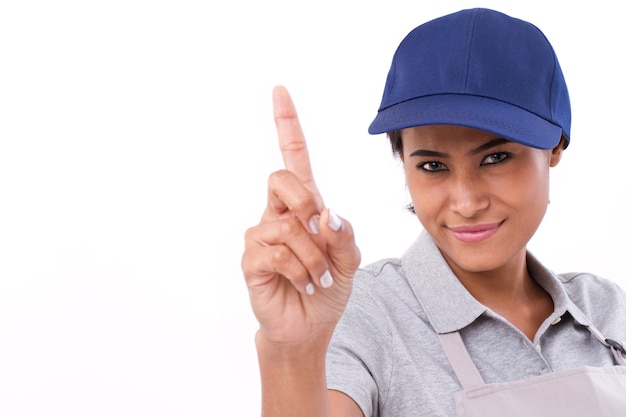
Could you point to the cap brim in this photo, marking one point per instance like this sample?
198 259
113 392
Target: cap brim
471 111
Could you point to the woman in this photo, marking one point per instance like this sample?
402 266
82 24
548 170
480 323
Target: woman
466 321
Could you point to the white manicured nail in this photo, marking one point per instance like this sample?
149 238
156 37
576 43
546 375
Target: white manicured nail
310 288
334 221
314 224
326 280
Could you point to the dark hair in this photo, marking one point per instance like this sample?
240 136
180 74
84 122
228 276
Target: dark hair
396 142
395 138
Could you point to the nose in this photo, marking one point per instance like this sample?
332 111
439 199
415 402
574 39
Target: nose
467 195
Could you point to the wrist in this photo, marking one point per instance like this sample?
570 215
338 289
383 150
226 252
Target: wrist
311 350
293 378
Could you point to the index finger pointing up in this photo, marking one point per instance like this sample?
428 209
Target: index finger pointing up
291 140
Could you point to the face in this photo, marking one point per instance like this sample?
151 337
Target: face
479 196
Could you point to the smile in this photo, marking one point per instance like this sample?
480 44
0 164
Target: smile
475 233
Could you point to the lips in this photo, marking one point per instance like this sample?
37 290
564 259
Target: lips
475 233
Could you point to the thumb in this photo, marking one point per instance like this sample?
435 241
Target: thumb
342 251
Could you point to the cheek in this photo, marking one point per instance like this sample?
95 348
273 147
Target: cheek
427 199
530 194
539 179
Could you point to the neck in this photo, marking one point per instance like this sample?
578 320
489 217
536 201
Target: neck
512 293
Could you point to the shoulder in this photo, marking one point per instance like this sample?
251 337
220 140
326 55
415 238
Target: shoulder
382 283
374 288
591 288
602 300
379 272
594 295
419 260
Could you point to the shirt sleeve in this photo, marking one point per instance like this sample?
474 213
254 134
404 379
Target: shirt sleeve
359 358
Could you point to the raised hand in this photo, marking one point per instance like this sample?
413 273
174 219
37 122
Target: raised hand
300 259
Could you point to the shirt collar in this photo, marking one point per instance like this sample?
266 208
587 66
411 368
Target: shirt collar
553 285
447 303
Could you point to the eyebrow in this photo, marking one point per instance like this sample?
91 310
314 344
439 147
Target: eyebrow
482 148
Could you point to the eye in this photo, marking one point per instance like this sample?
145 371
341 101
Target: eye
432 166
496 158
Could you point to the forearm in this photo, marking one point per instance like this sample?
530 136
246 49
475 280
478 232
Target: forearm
293 381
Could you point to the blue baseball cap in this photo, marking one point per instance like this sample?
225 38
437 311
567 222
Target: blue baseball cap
482 69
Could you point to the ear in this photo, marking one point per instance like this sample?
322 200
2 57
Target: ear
557 153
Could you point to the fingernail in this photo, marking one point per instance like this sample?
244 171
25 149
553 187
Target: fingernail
334 221
310 288
314 224
326 280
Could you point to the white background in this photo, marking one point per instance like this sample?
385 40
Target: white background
136 138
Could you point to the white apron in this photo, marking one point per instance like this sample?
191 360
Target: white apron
580 392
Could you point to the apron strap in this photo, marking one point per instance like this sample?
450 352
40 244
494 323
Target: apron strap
617 348
460 359
465 368
469 376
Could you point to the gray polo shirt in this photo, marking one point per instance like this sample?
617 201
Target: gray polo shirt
385 353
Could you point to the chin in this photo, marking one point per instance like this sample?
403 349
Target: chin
477 258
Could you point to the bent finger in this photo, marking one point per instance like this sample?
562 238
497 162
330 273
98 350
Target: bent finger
278 263
290 233
288 196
